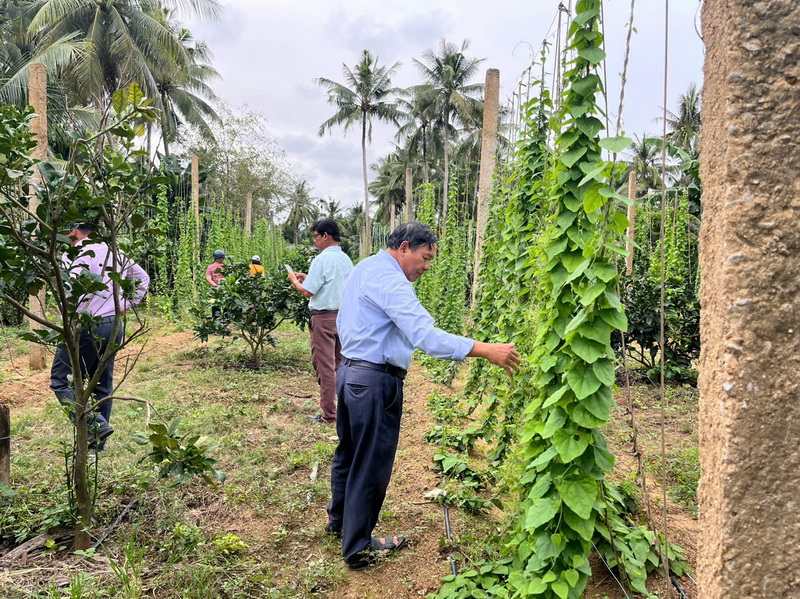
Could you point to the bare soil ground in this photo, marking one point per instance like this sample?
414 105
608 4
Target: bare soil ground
269 450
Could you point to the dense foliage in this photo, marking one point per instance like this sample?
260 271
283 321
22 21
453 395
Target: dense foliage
513 245
555 409
445 291
252 307
642 291
103 184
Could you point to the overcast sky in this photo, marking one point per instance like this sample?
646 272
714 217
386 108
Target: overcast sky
270 51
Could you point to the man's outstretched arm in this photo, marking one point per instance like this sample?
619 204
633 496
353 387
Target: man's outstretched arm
500 354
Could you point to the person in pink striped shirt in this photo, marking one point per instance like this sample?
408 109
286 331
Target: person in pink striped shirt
96 258
215 274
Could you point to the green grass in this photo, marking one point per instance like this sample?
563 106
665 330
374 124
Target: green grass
173 544
683 471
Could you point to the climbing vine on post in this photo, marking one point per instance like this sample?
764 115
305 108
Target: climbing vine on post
185 286
563 456
448 283
507 279
426 213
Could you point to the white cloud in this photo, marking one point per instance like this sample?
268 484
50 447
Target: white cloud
270 52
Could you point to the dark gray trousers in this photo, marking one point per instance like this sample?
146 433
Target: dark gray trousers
92 346
368 425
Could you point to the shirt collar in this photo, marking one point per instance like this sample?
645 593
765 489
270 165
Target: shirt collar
334 248
384 255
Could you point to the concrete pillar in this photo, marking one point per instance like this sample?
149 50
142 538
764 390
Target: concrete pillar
631 220
491 105
392 217
750 321
196 206
37 97
409 195
248 215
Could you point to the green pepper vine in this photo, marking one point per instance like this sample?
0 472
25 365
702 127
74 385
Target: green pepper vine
557 406
446 292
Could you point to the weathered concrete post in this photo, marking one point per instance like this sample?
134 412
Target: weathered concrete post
37 98
750 321
272 240
491 105
409 195
196 203
392 217
631 220
248 215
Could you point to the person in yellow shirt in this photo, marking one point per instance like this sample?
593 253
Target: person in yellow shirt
255 267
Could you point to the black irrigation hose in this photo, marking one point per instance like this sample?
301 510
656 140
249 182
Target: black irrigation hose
448 529
678 588
448 534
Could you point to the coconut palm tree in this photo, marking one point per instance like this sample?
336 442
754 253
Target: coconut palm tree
18 50
331 208
367 94
184 95
644 157
421 132
447 74
684 126
125 41
389 185
302 209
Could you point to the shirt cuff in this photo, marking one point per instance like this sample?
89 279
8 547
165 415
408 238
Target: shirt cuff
463 347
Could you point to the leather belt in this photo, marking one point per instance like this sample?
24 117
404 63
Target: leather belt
315 312
388 368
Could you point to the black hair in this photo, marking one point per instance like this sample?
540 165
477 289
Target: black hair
86 228
415 233
329 226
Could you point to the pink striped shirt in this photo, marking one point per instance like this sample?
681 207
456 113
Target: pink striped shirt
97 258
216 270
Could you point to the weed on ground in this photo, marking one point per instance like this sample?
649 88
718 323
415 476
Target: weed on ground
260 533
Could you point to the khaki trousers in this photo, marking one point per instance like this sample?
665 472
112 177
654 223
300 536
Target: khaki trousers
326 356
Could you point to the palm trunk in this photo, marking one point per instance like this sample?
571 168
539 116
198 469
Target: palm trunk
164 116
446 167
425 172
366 248
409 196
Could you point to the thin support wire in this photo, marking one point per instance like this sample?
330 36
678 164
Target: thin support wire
556 86
631 408
613 542
610 571
528 86
637 450
605 67
662 389
624 75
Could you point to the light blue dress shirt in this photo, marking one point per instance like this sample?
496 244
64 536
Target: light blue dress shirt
326 278
382 321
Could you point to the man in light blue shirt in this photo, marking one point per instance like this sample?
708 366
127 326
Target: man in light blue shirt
380 323
323 286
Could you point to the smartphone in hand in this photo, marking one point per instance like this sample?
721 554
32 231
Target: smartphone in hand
288 269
